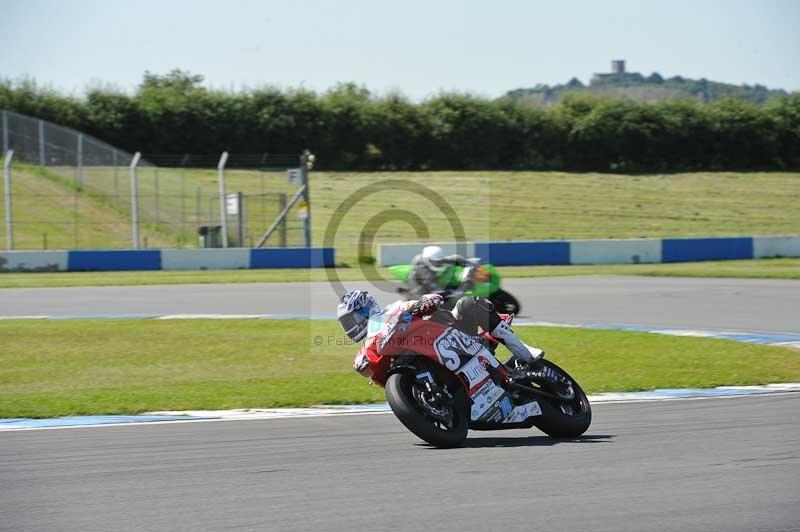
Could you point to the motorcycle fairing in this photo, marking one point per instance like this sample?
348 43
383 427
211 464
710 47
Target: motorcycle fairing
491 403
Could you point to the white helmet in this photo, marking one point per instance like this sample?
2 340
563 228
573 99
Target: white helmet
433 257
353 312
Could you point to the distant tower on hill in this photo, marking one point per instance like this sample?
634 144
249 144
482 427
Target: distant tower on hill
617 69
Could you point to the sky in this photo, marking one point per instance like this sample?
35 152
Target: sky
418 48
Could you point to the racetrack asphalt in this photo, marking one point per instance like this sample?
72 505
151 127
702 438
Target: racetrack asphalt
687 303
713 465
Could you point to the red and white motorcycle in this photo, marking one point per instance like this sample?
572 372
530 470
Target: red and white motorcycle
440 382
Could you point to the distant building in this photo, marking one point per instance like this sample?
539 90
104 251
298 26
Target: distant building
617 69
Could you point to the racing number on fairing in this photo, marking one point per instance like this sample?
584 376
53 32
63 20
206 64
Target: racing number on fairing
453 343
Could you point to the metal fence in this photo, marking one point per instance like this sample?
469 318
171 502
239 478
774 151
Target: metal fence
68 190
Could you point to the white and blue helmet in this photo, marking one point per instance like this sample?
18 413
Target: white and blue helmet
353 312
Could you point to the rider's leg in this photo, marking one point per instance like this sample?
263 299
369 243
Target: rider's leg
474 312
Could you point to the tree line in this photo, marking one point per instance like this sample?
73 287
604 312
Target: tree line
348 128
635 86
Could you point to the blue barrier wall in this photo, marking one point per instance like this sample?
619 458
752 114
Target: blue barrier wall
695 249
156 259
523 253
292 257
114 260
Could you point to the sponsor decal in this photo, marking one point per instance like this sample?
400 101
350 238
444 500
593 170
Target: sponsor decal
452 344
474 371
523 412
505 406
486 397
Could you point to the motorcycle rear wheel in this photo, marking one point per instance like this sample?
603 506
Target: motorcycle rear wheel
412 414
505 303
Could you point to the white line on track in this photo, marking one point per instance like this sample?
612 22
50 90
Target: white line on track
204 416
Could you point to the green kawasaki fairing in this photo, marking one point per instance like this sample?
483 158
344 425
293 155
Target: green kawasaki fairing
451 276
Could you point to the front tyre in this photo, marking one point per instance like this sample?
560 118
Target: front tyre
564 418
438 423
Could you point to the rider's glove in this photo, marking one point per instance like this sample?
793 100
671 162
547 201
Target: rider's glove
427 304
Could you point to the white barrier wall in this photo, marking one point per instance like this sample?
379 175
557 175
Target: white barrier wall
393 254
776 246
205 259
612 251
34 261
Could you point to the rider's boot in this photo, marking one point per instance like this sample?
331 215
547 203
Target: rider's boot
521 351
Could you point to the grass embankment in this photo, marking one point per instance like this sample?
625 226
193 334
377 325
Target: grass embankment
489 206
51 368
51 212
545 205
763 269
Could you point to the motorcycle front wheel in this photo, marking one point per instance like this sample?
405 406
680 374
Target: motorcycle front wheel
441 425
568 418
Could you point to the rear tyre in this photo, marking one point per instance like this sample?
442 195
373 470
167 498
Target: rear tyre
419 418
505 303
564 418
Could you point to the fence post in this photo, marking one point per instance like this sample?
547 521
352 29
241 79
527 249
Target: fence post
197 205
7 184
5 132
42 157
79 175
135 200
155 187
222 199
282 205
240 217
116 177
183 202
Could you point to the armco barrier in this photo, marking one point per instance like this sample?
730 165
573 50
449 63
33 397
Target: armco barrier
291 257
627 251
523 253
116 260
167 259
33 261
695 249
776 246
205 259
610 251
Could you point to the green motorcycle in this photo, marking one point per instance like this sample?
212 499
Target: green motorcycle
472 280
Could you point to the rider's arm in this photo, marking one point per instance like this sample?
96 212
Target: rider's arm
457 260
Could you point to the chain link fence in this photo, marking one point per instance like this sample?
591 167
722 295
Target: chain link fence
69 190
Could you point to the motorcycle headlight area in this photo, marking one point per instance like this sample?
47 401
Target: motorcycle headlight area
481 274
361 362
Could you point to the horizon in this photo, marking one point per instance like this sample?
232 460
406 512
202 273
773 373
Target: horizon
465 47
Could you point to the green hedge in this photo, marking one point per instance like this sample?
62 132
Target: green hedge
349 128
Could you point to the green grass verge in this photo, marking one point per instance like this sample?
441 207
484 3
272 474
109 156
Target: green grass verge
51 368
761 268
